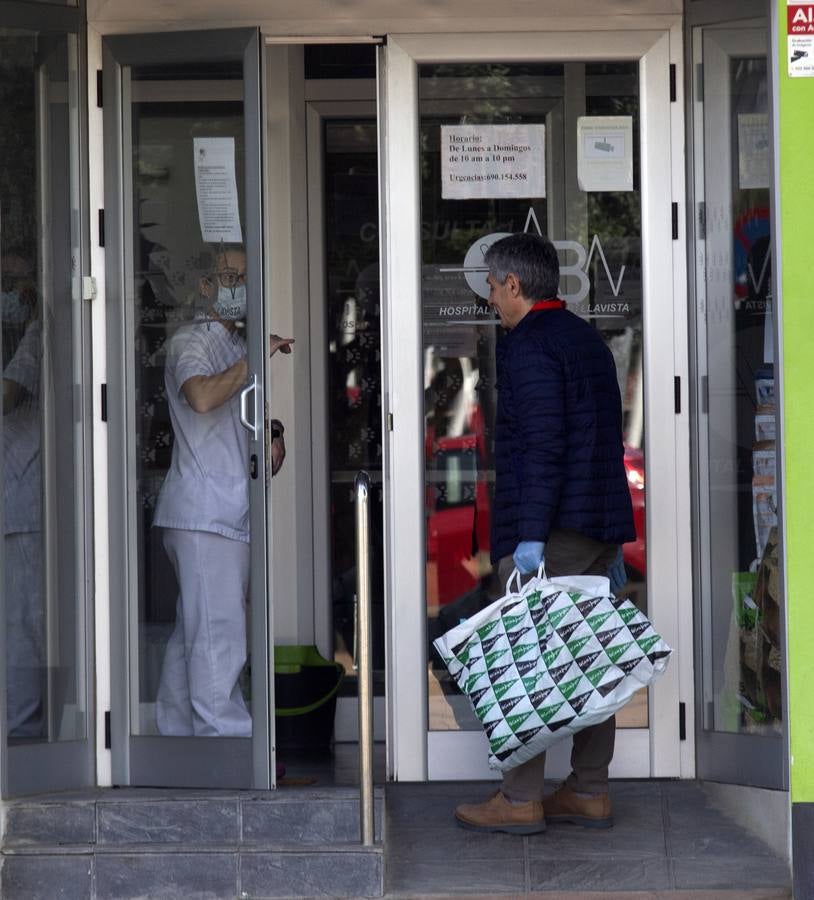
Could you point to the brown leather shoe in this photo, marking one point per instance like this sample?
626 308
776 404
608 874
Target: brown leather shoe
498 814
566 806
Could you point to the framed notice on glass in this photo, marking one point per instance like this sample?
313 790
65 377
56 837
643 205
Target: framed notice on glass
492 161
216 189
605 153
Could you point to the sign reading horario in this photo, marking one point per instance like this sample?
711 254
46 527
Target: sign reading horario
484 161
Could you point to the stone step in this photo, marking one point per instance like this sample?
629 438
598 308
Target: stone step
307 817
188 873
165 844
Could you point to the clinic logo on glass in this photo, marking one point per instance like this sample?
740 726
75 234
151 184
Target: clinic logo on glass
475 271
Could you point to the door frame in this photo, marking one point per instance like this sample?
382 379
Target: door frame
147 759
30 768
757 760
414 753
350 103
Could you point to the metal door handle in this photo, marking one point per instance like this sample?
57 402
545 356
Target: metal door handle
363 645
253 387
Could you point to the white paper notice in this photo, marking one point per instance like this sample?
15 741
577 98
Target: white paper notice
605 153
492 161
801 56
753 151
216 187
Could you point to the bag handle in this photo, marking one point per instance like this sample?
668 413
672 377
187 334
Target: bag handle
516 577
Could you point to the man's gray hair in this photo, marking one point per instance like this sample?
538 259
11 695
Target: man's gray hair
531 259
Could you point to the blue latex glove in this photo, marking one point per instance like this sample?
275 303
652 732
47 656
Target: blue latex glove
617 574
528 556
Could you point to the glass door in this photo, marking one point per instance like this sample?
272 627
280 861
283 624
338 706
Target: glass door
740 711
459 119
346 347
190 448
44 325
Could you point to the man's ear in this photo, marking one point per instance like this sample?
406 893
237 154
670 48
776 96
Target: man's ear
206 287
513 284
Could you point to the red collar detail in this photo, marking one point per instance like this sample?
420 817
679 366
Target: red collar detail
548 304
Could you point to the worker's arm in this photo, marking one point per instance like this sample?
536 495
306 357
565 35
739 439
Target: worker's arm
207 392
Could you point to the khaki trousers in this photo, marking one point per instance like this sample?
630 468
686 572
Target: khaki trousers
568 553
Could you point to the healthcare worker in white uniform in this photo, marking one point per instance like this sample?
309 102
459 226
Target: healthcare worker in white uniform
22 504
203 509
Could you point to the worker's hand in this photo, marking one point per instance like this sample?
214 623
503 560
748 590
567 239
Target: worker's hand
528 556
277 343
617 575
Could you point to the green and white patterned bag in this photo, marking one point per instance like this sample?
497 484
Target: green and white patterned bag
549 659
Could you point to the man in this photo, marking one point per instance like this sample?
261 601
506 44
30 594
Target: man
203 508
561 497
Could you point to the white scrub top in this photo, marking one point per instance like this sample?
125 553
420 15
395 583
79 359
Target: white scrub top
207 485
22 478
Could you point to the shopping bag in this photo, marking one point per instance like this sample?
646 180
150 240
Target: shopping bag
549 659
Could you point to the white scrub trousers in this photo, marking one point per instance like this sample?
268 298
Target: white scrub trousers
25 634
199 692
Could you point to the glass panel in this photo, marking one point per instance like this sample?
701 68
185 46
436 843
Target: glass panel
354 372
598 235
737 422
42 423
187 282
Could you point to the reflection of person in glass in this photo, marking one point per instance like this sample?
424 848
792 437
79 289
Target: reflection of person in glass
203 508
22 502
561 495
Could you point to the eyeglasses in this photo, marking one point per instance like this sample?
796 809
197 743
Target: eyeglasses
230 278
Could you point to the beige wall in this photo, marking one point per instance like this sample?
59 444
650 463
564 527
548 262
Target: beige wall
353 17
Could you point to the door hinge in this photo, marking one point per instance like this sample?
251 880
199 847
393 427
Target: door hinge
88 287
699 82
672 82
107 729
675 221
682 721
101 228
677 393
390 421
104 403
702 219
99 83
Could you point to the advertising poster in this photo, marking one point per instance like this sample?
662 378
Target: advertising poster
800 31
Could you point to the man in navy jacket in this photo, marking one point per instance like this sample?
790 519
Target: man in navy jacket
561 497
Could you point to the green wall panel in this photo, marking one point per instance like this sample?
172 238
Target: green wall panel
796 210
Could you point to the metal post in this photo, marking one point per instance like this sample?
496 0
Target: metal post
364 670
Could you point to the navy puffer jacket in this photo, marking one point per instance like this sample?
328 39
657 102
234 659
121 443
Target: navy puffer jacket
558 435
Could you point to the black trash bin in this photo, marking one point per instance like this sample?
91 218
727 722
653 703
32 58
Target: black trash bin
305 689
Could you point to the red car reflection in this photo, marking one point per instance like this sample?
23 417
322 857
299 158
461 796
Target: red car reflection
457 506
634 552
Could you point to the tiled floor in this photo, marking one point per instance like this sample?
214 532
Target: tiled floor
339 768
667 837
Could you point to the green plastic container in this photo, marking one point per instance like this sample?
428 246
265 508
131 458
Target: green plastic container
305 689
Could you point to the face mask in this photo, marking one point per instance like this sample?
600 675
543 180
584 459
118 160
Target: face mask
231 303
14 310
